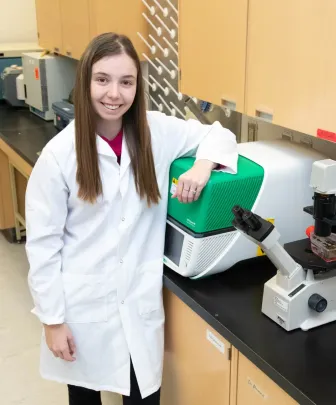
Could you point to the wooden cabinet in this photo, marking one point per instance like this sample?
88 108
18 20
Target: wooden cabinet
67 26
75 27
197 365
14 172
120 17
201 367
290 63
273 60
49 24
212 50
255 388
6 206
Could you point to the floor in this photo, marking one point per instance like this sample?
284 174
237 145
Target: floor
20 382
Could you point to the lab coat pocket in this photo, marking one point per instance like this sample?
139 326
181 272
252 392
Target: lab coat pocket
85 298
150 299
146 310
152 320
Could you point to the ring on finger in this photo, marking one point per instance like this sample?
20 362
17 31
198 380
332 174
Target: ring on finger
194 191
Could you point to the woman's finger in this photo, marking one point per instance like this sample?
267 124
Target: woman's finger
66 355
192 193
179 189
185 194
198 193
72 345
60 354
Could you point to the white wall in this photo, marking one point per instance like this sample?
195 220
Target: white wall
18 21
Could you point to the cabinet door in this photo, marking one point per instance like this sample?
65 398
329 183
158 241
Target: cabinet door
255 388
48 16
290 63
122 17
6 205
75 27
196 367
212 50
7 154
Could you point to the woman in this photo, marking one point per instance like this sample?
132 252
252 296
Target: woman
96 210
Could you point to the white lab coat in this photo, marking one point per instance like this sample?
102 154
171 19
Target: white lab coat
98 267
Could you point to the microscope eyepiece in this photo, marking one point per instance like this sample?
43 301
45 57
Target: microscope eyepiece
251 220
238 211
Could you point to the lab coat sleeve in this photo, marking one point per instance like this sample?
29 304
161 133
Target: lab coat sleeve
192 138
46 212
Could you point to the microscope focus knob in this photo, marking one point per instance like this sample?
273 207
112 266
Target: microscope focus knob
317 303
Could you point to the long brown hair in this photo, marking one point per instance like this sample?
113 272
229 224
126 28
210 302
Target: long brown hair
135 124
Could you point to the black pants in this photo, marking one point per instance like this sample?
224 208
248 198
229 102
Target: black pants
84 396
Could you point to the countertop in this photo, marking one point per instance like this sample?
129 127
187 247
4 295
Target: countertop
302 363
26 133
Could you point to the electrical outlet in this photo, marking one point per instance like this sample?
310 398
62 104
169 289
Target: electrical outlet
287 134
306 140
252 131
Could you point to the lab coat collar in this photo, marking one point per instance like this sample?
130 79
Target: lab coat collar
125 157
104 149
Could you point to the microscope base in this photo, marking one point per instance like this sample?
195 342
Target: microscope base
310 304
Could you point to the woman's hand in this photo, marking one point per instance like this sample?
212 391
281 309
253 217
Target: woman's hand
191 183
60 341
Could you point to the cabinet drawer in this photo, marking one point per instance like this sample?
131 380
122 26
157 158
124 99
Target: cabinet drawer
255 388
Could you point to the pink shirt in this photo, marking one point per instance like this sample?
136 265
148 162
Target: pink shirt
115 144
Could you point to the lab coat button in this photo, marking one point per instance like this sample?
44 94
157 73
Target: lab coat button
121 261
122 302
123 219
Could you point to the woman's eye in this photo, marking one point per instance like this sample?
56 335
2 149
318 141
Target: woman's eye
127 83
101 80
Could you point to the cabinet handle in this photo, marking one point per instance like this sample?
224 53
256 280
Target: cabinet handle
230 104
229 354
266 115
56 50
68 53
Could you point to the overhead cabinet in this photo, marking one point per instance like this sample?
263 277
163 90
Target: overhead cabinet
212 50
67 26
291 77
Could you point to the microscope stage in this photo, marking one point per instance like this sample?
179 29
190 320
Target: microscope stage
301 252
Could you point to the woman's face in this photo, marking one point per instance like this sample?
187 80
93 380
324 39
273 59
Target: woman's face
113 86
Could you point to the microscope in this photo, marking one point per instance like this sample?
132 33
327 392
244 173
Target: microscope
303 292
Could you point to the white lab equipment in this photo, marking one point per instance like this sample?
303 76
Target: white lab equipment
47 79
9 84
11 54
302 293
20 92
200 239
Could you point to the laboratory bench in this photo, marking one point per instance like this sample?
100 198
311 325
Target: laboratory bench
219 347
22 137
